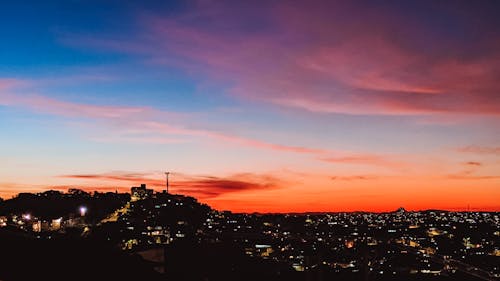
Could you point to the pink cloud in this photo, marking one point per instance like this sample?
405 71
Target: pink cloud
129 121
140 124
10 83
53 106
369 63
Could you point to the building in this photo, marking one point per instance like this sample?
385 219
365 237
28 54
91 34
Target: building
140 192
56 224
3 221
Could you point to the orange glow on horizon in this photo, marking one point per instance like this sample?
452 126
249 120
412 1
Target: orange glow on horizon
250 193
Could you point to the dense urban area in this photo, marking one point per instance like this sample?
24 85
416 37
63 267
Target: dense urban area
162 236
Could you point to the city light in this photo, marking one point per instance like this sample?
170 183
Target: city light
444 243
83 211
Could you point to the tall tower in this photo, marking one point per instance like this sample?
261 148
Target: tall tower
166 176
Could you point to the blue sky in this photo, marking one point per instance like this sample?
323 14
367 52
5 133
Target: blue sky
244 102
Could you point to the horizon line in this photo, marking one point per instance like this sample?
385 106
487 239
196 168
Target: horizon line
452 210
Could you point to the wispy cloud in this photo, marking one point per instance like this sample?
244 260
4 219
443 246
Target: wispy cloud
98 188
52 106
10 189
134 120
476 149
472 177
472 172
147 125
369 63
6 83
473 163
354 178
364 159
196 185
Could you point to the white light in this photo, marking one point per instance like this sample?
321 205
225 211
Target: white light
27 217
83 211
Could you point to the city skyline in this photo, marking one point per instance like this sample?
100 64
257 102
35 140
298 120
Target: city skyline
349 106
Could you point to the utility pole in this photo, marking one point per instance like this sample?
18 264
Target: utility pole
166 175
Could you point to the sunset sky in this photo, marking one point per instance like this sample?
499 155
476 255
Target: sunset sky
268 106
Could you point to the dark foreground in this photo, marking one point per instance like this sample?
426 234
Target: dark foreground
72 258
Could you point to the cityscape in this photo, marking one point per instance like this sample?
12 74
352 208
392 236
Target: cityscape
244 140
173 237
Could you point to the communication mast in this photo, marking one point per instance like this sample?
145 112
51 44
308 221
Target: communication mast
166 176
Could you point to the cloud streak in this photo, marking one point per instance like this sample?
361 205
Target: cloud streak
475 149
471 173
195 185
45 104
353 178
146 125
7 83
363 159
472 177
374 62
134 119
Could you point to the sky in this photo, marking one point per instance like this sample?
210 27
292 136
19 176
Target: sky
255 106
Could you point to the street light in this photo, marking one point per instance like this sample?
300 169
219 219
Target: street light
83 211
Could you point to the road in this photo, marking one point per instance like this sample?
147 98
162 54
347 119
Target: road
116 214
